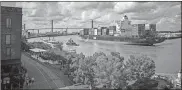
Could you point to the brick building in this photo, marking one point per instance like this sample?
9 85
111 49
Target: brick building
11 30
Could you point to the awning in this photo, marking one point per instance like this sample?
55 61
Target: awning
37 50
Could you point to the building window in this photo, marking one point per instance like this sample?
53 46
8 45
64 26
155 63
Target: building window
8 52
8 22
8 39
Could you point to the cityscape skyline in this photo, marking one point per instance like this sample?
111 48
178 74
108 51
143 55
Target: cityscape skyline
167 15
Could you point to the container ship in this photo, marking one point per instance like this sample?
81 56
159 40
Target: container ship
124 31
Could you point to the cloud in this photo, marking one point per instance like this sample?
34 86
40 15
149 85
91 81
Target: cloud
10 4
90 14
82 5
37 19
122 7
54 9
91 5
161 11
26 5
169 24
167 15
41 10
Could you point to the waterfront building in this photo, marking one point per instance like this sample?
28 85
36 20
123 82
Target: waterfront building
11 32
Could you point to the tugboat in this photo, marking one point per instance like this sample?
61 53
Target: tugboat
71 43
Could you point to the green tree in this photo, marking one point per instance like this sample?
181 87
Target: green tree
139 68
109 69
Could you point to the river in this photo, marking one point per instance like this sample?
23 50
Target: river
167 55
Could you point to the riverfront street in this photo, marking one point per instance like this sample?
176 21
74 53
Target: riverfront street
45 77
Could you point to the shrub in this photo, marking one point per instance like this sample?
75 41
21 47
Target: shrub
39 45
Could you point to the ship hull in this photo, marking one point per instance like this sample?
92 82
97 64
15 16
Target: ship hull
129 40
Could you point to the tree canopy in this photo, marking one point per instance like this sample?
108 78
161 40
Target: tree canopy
110 70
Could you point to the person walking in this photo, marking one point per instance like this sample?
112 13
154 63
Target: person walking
33 80
29 81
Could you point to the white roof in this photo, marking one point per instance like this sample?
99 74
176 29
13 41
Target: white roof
76 87
37 50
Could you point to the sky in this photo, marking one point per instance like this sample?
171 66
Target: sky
167 15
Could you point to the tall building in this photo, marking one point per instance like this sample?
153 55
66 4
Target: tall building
11 29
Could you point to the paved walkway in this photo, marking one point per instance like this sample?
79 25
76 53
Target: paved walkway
45 78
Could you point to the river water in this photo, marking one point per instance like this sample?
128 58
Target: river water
167 55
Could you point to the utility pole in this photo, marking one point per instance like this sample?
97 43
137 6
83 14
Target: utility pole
24 26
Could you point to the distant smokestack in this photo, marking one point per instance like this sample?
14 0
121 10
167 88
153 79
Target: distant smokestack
52 26
92 24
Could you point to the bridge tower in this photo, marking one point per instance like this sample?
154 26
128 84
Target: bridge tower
92 24
51 25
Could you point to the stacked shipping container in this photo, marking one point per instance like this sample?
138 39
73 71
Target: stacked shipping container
95 31
147 27
141 29
99 32
153 27
104 30
107 31
135 30
112 29
86 31
91 31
